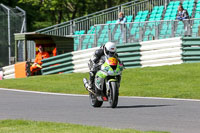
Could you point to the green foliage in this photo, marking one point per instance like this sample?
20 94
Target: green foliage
50 12
41 25
22 126
176 81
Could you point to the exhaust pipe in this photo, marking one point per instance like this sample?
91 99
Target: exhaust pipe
86 84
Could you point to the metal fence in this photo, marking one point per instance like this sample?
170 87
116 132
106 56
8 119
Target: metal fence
101 17
12 20
136 32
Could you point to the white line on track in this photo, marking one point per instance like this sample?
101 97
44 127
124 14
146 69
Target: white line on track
134 97
44 93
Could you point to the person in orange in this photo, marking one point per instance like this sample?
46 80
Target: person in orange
38 60
54 51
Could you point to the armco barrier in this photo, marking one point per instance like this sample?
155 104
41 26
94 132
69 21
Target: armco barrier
129 54
161 52
149 53
68 63
18 70
191 49
57 64
144 54
81 58
78 61
9 72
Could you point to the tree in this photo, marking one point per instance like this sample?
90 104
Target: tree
44 13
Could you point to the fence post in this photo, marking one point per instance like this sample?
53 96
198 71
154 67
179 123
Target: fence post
173 28
157 32
140 34
188 28
166 4
72 27
121 8
95 36
124 33
109 33
78 36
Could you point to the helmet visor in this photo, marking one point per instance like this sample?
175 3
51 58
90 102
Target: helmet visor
110 54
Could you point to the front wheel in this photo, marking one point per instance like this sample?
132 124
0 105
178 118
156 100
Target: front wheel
114 93
94 101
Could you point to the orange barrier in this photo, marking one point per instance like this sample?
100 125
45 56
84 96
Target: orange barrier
20 70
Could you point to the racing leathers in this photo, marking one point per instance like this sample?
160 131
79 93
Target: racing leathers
95 63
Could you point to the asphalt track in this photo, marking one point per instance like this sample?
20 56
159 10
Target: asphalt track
146 114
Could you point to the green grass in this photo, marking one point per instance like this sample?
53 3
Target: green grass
177 81
21 126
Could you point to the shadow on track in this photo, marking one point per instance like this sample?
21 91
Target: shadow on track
142 106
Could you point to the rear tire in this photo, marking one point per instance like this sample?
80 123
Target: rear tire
114 93
94 101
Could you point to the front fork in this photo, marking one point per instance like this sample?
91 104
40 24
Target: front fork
108 85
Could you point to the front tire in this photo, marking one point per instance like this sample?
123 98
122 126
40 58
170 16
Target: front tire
114 93
94 101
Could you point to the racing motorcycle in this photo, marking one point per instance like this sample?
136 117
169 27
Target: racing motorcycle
106 84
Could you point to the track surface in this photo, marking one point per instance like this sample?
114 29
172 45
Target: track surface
138 113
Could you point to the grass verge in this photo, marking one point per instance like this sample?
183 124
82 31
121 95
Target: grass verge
22 126
176 81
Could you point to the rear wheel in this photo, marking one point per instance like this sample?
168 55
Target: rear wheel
114 93
94 101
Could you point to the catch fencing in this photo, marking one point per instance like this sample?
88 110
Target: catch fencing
12 20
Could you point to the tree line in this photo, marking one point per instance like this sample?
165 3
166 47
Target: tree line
44 13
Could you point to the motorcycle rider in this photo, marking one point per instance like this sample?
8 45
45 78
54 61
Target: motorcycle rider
109 49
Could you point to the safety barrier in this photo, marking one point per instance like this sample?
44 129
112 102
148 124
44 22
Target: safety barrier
9 72
129 54
161 52
144 54
1 75
81 58
18 70
57 64
67 63
191 49
78 61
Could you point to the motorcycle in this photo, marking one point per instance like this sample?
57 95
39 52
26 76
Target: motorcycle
106 84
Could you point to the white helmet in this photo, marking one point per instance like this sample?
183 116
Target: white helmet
110 48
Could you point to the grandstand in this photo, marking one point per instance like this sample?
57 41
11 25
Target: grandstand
146 20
